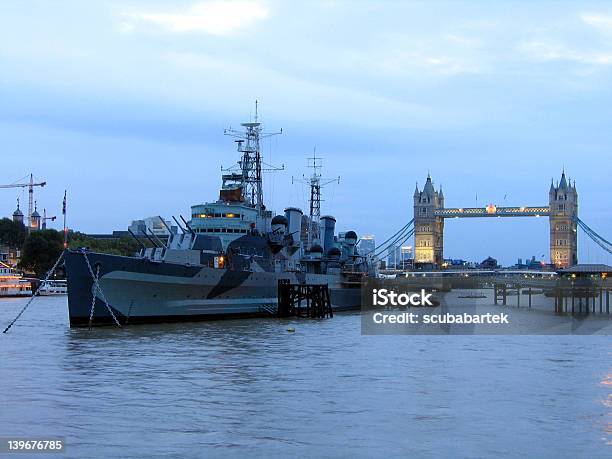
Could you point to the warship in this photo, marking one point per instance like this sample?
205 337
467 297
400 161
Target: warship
226 261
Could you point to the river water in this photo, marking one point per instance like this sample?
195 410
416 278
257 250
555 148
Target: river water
250 388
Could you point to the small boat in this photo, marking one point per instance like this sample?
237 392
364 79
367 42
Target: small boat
54 287
12 283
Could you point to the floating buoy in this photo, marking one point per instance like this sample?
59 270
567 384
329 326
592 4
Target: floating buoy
291 330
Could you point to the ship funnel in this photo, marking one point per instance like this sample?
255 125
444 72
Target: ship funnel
328 227
294 223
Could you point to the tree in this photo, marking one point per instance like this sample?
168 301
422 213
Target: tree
40 251
125 246
12 233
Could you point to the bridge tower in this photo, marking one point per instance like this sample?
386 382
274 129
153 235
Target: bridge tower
428 228
563 202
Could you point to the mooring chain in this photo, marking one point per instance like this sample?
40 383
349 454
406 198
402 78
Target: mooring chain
98 288
93 298
43 283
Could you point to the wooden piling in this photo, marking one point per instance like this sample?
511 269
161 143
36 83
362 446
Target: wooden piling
529 294
292 296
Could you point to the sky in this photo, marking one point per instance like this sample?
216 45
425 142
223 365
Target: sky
123 103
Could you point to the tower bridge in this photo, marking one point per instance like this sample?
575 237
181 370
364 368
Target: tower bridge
562 213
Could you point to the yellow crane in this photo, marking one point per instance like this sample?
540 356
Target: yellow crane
30 186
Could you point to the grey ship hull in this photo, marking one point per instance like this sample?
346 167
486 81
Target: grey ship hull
139 290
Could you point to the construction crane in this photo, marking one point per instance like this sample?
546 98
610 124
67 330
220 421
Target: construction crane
30 187
45 218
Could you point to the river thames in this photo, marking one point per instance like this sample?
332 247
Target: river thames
250 388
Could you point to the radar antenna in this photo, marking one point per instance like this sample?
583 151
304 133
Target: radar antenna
248 170
316 182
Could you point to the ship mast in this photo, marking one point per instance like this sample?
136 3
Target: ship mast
251 163
315 182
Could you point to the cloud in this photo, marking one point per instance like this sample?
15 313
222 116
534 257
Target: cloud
432 62
548 51
126 27
342 102
212 17
601 21
591 53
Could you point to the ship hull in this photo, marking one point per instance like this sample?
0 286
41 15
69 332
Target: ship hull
139 290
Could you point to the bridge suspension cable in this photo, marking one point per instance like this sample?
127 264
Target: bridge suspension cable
397 242
393 243
407 236
599 240
402 234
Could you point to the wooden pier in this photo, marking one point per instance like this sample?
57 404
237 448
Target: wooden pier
311 301
583 289
575 300
502 290
581 301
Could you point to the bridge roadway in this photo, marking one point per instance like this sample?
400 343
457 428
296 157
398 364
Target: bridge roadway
492 211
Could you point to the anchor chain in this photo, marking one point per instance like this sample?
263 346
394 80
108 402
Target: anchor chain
42 284
93 300
98 288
